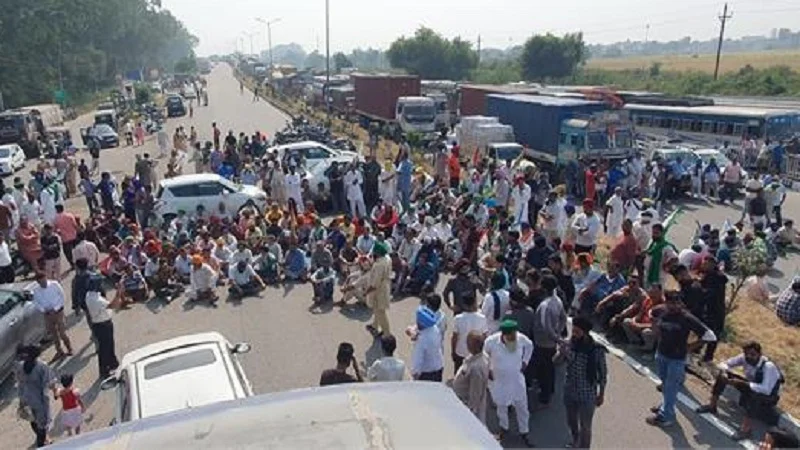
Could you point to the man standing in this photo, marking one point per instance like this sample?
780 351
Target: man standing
51 253
586 227
509 353
427 361
67 228
378 293
551 321
294 188
520 196
372 170
99 318
472 378
585 385
405 171
673 324
345 357
334 175
355 195
48 298
614 213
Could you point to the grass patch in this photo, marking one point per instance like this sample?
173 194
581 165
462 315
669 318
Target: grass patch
730 62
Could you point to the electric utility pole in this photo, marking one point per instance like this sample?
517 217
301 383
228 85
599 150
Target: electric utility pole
723 19
479 49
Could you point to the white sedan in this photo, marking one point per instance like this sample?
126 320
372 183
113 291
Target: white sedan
316 159
180 373
12 158
187 192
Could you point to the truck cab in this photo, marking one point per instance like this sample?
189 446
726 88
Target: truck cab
23 128
507 152
416 115
607 135
443 114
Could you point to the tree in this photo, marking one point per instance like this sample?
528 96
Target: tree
431 56
548 56
186 65
340 61
314 60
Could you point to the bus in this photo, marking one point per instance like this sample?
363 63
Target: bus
714 126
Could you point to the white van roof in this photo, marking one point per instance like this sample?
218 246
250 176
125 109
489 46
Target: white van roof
400 415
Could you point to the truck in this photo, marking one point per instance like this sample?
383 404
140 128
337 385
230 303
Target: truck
557 130
394 102
27 126
472 97
445 96
477 133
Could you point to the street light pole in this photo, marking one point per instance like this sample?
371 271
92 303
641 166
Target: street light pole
327 54
269 23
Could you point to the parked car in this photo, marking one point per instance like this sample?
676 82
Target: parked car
12 158
187 192
175 106
103 133
705 154
678 162
315 158
188 92
181 373
20 324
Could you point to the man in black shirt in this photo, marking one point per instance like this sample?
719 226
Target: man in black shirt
566 286
713 282
51 253
672 325
337 188
462 285
345 357
691 292
371 170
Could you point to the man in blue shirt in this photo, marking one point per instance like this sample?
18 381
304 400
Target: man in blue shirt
600 289
404 172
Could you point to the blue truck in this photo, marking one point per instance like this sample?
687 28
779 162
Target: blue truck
556 130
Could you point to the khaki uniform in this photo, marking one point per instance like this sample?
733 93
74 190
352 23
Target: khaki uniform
380 298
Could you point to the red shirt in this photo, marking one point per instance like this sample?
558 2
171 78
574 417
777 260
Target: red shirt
590 181
66 226
69 398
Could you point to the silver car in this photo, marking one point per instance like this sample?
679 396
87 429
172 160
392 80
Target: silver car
20 324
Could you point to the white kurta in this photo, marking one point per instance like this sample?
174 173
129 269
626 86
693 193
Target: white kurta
387 190
519 200
615 216
294 190
352 185
508 385
501 192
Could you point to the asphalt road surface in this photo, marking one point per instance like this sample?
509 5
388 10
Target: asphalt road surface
292 343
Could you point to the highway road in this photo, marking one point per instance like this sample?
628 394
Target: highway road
292 342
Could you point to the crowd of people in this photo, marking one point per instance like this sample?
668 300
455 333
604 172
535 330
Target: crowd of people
513 253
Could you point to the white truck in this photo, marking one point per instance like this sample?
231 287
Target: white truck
487 136
416 115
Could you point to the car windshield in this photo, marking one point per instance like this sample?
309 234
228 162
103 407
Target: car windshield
102 129
174 100
721 159
418 110
179 363
5 152
509 152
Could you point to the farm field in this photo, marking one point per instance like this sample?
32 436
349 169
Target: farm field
704 63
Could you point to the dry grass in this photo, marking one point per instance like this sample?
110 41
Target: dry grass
703 63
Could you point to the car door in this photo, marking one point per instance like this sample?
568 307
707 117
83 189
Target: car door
33 326
19 157
185 197
210 194
10 328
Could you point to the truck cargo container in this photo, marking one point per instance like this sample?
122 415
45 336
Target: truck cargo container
556 130
376 95
394 101
472 97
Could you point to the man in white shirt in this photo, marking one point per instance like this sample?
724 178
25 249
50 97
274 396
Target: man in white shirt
87 250
496 303
387 368
520 196
202 280
48 298
471 320
615 213
352 185
586 227
7 272
366 241
244 280
759 388
427 361
509 353
294 188
99 315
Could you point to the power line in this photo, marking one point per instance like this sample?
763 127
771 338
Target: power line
723 20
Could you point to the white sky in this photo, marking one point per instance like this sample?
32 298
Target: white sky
501 23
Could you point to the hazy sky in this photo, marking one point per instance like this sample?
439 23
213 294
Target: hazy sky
359 23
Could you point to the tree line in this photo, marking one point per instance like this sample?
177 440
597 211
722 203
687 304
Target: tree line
83 45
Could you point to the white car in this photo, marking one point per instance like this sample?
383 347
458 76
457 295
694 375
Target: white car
187 192
188 92
12 158
176 374
705 154
316 157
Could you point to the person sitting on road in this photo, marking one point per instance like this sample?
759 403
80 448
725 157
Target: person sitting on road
421 277
619 301
223 254
321 256
266 265
787 236
636 320
244 280
132 286
183 266
323 280
203 280
357 282
787 307
295 265
602 286
759 388
160 277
